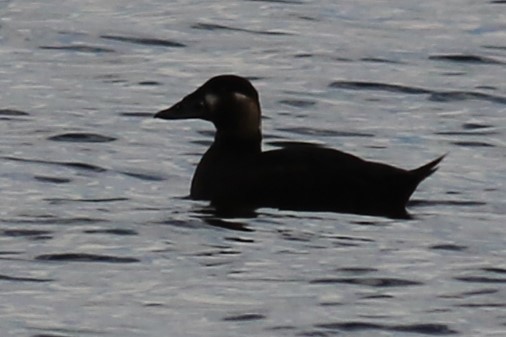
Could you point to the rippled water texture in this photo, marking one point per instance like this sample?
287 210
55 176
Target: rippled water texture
97 237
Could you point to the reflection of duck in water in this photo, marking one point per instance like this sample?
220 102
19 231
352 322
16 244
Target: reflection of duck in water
235 174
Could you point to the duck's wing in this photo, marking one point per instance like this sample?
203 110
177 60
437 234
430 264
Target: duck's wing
312 167
320 179
314 178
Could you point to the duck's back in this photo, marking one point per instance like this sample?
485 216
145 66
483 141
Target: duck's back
307 178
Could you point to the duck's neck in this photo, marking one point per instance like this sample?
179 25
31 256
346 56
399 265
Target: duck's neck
240 144
219 160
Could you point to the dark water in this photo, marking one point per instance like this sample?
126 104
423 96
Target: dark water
98 239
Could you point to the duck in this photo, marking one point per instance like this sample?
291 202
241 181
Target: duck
235 174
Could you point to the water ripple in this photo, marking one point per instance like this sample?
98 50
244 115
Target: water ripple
465 58
357 85
473 144
480 279
473 293
379 60
80 48
113 231
427 329
356 270
452 96
61 201
22 279
83 257
298 103
75 165
324 132
149 83
136 114
12 113
449 247
472 129
370 282
464 203
476 126
214 27
437 96
245 317
53 220
32 234
80 166
483 305
288 2
494 270
81 137
226 224
53 180
144 41
148 176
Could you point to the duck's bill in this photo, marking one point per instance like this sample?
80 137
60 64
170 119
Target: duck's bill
184 109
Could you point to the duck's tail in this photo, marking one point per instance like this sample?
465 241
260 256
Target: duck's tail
426 170
420 174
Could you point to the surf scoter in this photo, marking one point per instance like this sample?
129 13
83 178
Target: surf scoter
234 173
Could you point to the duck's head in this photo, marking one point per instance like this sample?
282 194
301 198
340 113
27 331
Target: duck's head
230 102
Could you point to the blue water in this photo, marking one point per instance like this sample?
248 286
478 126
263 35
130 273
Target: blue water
98 239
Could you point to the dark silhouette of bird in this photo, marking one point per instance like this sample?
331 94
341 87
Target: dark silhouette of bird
234 173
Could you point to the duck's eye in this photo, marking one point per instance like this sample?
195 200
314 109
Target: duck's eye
199 105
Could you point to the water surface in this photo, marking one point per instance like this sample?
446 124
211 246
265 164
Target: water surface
98 239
